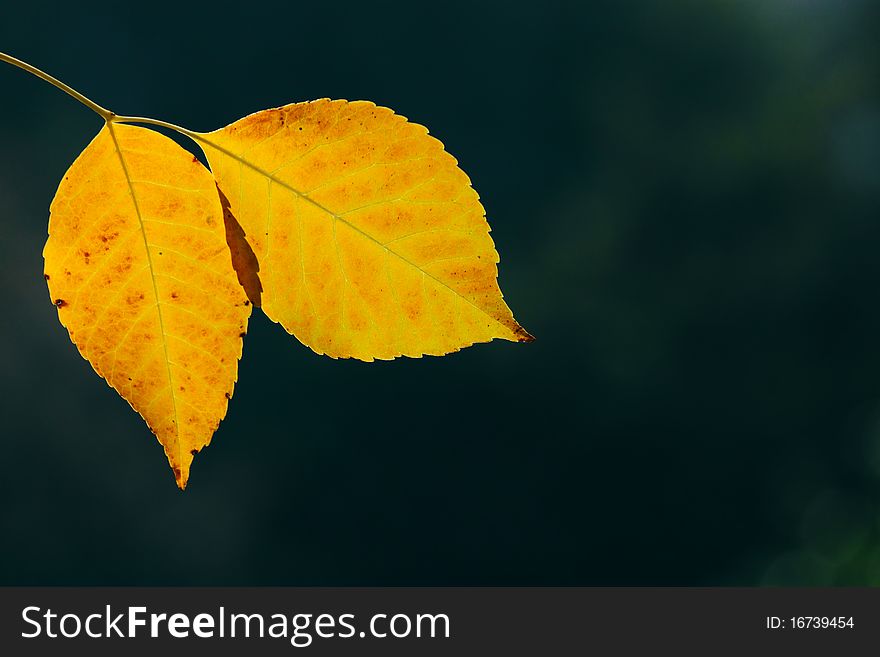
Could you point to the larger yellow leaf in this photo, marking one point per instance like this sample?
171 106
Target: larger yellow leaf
138 265
370 240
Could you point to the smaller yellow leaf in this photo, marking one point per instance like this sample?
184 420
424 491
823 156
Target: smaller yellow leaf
138 265
371 241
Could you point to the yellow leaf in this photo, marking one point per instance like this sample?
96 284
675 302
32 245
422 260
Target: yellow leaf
370 239
138 265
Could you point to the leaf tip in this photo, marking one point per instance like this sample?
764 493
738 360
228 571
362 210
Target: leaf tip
181 477
522 335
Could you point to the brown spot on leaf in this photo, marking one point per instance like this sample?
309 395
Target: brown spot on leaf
228 396
60 303
242 334
46 276
193 451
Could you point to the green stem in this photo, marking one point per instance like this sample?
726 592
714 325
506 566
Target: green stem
105 114
195 136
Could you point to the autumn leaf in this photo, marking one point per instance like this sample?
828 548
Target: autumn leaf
371 241
138 265
350 226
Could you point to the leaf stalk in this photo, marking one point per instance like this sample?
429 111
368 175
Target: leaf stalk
104 113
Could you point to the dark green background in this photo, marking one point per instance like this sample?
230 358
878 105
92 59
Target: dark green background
685 196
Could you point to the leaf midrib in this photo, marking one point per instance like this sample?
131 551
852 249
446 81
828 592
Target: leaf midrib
201 139
143 230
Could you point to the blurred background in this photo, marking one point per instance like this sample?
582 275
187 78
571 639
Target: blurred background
686 199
